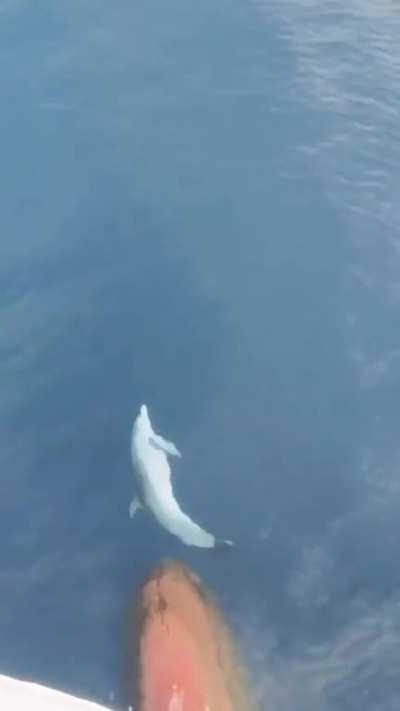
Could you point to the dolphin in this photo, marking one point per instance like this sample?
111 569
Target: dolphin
153 476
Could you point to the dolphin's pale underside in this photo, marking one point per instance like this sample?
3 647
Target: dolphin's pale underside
151 466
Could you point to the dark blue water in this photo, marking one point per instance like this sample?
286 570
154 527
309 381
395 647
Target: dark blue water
199 210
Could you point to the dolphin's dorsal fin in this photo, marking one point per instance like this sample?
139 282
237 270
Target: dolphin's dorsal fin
159 442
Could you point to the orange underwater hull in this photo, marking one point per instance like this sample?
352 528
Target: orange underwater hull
185 657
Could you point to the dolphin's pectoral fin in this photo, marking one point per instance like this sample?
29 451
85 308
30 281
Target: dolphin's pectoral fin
135 505
159 442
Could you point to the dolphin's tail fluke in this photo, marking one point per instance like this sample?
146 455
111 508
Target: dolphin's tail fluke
223 544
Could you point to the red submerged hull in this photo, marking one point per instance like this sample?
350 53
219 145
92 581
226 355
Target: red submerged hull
185 658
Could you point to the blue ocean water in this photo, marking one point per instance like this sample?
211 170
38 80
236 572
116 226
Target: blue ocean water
199 211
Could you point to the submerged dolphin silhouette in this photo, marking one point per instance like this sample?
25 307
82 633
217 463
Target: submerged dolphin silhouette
149 457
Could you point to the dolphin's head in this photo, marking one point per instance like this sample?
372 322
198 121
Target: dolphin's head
144 411
142 424
144 416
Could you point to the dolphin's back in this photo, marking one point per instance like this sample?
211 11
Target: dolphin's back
154 474
170 515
